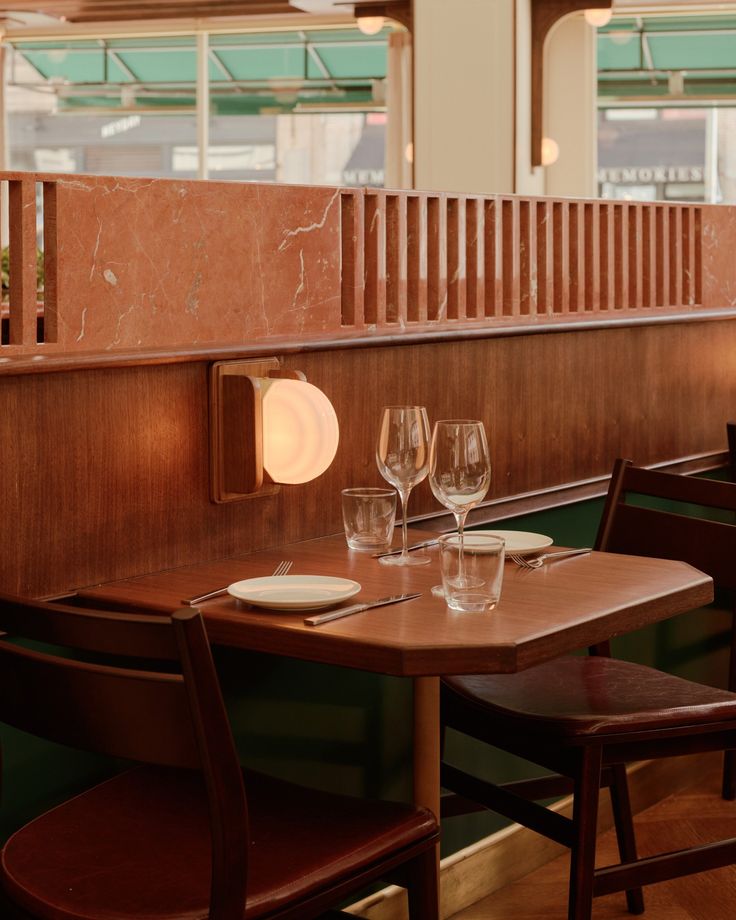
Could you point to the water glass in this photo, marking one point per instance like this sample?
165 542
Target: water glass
472 575
368 516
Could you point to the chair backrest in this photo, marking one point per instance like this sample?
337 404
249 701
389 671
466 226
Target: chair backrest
627 527
167 710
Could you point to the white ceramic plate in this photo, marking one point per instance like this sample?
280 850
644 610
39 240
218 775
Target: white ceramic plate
517 541
294 592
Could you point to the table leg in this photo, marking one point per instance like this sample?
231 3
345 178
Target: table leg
427 746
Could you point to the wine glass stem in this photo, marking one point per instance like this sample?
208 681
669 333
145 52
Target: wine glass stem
460 519
404 495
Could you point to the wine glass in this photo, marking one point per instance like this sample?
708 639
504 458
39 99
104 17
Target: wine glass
402 455
459 471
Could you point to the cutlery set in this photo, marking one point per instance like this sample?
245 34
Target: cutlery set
284 567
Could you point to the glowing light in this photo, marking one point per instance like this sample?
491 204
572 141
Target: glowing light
300 431
550 151
371 25
598 18
409 152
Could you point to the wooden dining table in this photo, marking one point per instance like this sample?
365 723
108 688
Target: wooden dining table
565 605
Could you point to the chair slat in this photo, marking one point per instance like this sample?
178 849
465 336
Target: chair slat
708 545
137 715
89 630
709 492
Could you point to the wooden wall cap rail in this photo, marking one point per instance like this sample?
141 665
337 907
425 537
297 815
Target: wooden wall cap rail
159 263
51 362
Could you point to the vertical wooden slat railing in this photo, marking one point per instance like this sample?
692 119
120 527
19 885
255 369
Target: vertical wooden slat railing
339 262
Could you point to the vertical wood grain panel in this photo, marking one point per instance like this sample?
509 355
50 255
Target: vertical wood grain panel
561 255
455 258
474 259
492 265
374 276
527 260
595 264
577 257
395 253
663 251
675 260
416 287
436 258
620 253
510 246
545 263
635 256
686 236
647 257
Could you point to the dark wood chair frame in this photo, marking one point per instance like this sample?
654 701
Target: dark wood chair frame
186 726
585 766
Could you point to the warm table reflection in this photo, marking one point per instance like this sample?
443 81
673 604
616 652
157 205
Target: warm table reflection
563 606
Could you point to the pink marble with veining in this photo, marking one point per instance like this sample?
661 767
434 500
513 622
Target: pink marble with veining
162 263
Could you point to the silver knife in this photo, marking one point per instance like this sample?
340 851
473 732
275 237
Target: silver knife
395 552
357 608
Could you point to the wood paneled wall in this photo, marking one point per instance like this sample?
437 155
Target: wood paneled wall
104 473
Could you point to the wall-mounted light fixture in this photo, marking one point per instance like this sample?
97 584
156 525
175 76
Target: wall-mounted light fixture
371 15
598 18
370 25
267 426
550 151
545 13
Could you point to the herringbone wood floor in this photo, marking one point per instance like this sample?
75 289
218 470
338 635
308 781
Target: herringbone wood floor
696 815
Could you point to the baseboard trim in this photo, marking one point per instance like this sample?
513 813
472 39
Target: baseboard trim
480 869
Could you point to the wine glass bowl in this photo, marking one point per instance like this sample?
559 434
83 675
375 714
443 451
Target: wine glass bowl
459 470
402 455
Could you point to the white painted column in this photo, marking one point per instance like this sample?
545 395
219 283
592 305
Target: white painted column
203 104
464 134
570 108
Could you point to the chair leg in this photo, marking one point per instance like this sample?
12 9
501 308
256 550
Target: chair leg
585 822
423 887
621 805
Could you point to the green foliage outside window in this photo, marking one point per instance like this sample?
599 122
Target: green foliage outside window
6 271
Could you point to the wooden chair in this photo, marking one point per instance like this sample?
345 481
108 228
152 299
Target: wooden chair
185 833
586 717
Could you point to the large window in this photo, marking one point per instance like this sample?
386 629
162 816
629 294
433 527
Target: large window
667 100
301 107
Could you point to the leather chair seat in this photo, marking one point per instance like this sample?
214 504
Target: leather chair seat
572 697
138 846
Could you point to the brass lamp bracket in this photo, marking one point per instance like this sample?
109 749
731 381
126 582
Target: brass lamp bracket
545 13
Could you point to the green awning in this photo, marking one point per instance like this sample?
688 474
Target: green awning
275 71
638 56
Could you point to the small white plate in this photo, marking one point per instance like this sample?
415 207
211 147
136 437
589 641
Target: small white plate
294 592
517 541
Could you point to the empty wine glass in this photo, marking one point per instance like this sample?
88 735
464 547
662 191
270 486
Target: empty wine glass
459 472
402 455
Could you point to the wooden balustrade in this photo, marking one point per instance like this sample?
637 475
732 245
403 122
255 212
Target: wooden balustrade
158 263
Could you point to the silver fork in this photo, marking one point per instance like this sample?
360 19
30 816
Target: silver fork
281 569
539 561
